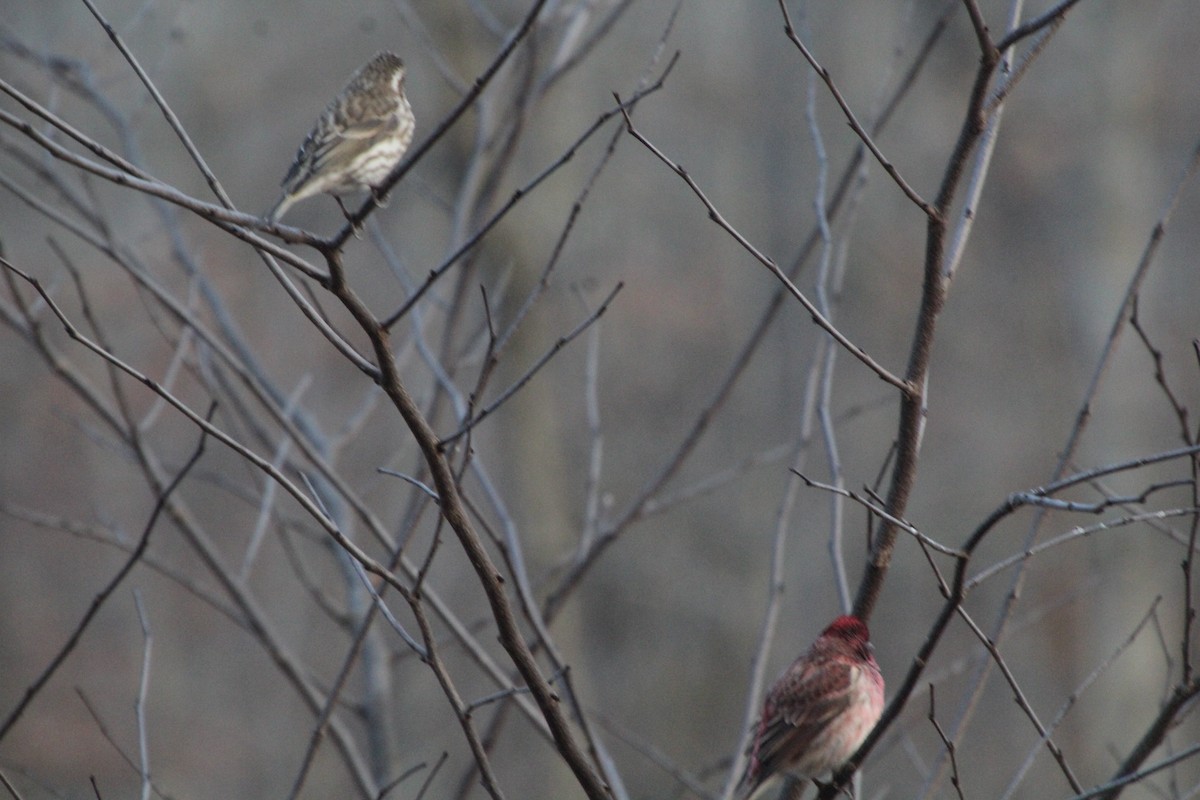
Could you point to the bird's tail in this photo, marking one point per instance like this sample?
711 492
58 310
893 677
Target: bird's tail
772 786
750 784
276 211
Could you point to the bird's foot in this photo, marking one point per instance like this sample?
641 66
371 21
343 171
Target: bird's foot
847 790
358 230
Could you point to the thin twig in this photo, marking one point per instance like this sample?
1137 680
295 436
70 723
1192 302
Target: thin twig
951 753
391 319
517 385
8 785
881 512
1022 701
1068 704
1075 533
1138 276
99 600
637 507
143 690
767 262
1036 24
1113 788
857 127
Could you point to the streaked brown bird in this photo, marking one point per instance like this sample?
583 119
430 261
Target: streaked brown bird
362 134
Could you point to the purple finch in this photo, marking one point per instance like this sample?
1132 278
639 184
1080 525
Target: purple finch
821 708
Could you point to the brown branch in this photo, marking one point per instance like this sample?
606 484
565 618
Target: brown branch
1083 415
253 618
454 511
1079 690
233 222
933 297
462 712
1036 24
855 126
979 25
949 745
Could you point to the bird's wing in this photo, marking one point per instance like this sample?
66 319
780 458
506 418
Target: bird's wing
302 164
369 128
335 140
797 710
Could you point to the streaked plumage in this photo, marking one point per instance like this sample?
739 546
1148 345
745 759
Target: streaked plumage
821 708
362 134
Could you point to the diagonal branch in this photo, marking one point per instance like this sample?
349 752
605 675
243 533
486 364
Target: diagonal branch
99 600
767 262
559 344
519 194
454 511
855 126
1036 24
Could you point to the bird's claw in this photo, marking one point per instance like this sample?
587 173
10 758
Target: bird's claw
356 227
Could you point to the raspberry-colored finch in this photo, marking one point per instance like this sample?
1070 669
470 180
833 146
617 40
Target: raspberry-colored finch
821 708
357 140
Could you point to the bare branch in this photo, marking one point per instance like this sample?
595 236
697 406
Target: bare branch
102 596
808 305
1050 17
559 344
855 126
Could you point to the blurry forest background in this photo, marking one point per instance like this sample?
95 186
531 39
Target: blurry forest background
635 492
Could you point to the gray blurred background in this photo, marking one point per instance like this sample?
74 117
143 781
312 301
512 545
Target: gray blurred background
661 632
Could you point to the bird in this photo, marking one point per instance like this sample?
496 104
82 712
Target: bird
359 137
821 708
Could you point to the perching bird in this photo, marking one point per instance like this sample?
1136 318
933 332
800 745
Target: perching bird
357 140
821 708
